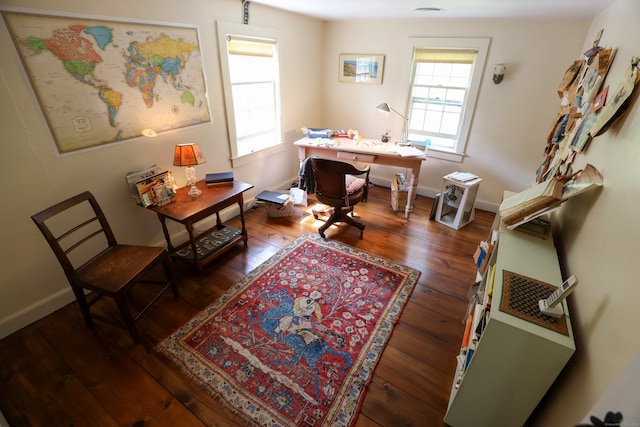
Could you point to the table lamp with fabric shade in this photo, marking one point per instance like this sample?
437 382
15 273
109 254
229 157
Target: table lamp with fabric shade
189 155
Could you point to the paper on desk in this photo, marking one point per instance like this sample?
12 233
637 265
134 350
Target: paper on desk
406 151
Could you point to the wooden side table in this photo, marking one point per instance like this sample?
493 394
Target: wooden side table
204 247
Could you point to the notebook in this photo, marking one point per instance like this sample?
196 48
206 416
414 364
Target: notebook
273 197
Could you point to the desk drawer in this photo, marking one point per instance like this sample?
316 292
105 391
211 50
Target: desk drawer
366 158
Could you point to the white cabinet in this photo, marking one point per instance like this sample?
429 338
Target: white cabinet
456 204
517 357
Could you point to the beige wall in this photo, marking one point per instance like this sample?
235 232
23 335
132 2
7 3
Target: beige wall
506 141
512 119
31 282
601 234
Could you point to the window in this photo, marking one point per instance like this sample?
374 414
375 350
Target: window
445 77
249 59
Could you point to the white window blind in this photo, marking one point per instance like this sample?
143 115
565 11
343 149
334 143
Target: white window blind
444 82
251 83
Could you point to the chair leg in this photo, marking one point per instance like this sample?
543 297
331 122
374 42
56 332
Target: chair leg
358 224
167 264
81 299
340 216
328 223
121 301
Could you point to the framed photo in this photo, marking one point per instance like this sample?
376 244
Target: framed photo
155 189
134 177
366 69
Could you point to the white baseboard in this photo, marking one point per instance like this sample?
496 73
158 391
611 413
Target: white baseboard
431 192
3 421
34 312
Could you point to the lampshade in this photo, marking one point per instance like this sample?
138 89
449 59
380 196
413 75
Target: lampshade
384 107
188 155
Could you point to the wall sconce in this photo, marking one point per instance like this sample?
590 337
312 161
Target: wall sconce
149 132
498 73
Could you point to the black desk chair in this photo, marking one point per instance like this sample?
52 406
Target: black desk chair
93 260
337 185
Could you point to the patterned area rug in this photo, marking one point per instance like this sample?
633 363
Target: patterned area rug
297 340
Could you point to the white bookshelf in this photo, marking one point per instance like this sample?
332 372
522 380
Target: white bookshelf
515 361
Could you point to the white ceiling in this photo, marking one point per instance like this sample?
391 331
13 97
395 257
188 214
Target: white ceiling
404 9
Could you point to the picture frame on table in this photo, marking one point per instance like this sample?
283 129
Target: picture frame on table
138 175
156 190
361 68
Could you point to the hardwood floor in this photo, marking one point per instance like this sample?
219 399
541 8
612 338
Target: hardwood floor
56 372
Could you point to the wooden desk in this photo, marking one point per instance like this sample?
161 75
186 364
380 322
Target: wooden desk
366 151
208 245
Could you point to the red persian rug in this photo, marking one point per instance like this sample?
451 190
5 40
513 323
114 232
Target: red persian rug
297 340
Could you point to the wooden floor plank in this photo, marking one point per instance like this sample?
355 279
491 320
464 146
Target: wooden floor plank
122 386
389 405
81 377
39 388
414 376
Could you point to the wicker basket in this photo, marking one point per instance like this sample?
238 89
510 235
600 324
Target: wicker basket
278 211
398 196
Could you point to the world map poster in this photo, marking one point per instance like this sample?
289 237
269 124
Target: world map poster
104 81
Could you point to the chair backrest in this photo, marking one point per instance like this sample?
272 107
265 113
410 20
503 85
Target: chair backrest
330 181
76 225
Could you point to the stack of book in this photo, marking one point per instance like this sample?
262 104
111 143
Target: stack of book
273 197
532 202
278 204
220 178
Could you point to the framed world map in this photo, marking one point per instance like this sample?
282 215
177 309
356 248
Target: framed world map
100 81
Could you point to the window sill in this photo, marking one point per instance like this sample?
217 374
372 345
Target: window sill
445 155
258 155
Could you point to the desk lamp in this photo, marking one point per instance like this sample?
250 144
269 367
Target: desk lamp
189 155
385 108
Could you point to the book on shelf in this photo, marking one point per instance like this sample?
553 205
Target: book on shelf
538 227
481 256
480 326
478 318
492 278
219 178
468 358
584 180
534 199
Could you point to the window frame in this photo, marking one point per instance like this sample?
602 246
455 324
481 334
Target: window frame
481 44
225 28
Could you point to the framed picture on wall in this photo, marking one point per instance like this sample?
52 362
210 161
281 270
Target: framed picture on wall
366 69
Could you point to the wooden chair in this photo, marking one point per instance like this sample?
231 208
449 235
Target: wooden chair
337 185
82 240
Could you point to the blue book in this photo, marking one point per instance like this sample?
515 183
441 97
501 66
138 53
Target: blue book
219 178
468 359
